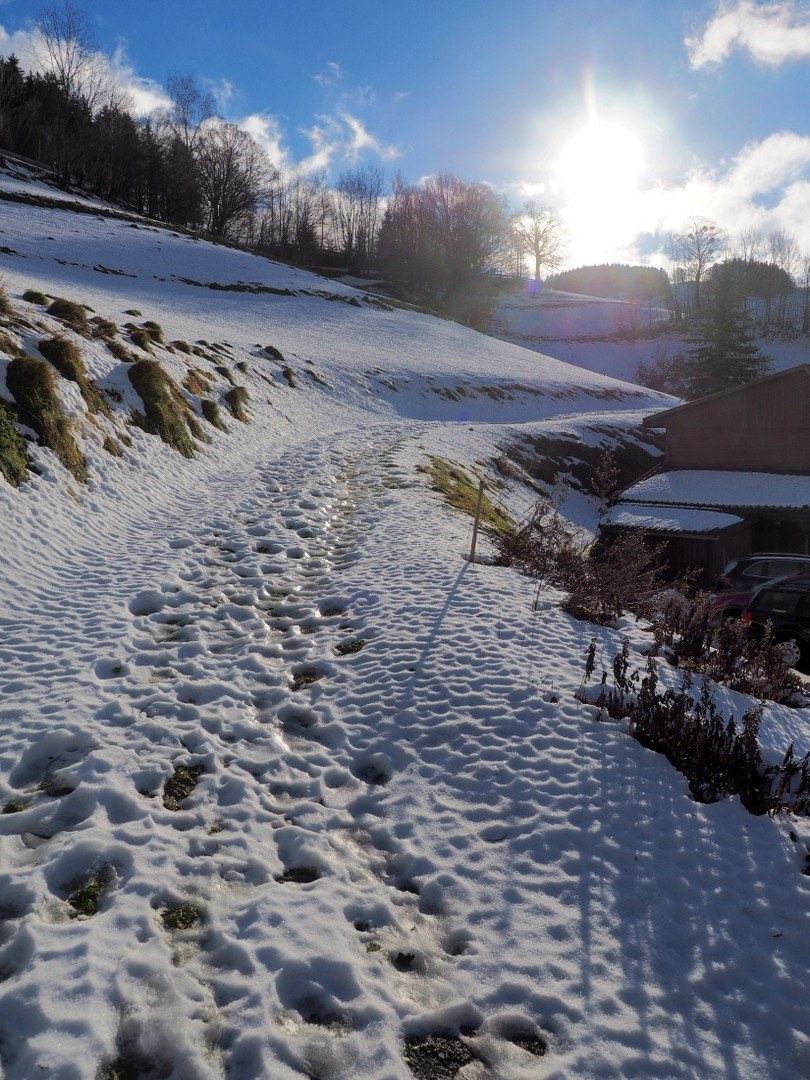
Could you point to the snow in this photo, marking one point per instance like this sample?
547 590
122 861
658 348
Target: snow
476 850
670 520
691 487
611 337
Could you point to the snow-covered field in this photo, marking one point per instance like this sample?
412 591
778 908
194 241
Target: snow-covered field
404 823
611 337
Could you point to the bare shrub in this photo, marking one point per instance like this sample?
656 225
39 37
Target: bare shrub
546 548
626 576
716 757
691 636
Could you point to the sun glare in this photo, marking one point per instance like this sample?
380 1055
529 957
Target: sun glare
599 171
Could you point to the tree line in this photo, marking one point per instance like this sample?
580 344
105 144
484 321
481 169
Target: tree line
189 167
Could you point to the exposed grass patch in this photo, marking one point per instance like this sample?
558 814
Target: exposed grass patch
182 346
67 360
225 373
180 785
271 350
237 398
196 382
299 875
9 346
33 385
305 678
33 296
210 411
121 352
85 900
6 310
69 312
165 407
14 806
348 648
103 328
289 375
437 1056
133 312
461 492
112 447
13 458
142 338
181 918
154 330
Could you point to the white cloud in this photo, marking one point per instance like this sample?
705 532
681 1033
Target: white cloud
265 129
342 138
21 44
772 33
765 186
145 95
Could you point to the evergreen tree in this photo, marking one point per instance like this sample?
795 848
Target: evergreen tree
725 354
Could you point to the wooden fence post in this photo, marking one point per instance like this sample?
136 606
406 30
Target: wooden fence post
477 519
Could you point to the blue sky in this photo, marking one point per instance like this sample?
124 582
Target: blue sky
627 116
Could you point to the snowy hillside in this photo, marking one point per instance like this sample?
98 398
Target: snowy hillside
291 788
610 337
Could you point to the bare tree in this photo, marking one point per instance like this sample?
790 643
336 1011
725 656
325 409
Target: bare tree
357 213
696 249
65 46
190 108
235 176
751 244
783 249
806 297
539 232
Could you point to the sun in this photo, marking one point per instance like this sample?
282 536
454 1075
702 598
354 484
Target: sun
603 160
599 171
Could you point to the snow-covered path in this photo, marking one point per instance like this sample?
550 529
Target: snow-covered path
320 787
432 836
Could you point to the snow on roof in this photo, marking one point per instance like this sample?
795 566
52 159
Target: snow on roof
717 488
674 520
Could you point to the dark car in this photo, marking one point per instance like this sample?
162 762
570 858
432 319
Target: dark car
740 577
786 605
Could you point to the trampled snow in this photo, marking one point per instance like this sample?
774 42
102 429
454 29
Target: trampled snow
403 822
